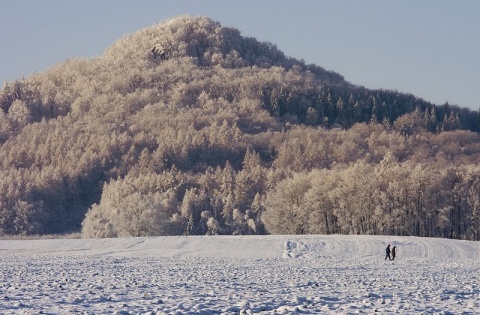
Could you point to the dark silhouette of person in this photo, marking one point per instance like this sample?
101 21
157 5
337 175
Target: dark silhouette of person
388 253
393 252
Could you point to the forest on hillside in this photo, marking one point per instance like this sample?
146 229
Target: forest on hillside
187 127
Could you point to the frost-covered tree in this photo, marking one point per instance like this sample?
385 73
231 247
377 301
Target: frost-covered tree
285 209
19 114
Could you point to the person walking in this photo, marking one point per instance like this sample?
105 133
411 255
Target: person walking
394 249
388 253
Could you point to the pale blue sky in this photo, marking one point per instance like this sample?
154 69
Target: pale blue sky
430 48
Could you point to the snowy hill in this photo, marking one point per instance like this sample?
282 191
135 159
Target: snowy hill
315 274
188 127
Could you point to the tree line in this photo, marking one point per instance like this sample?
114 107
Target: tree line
388 198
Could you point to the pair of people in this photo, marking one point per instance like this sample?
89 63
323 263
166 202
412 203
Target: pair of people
392 251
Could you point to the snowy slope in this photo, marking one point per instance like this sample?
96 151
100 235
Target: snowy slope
315 274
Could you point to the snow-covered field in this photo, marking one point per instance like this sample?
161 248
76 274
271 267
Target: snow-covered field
315 274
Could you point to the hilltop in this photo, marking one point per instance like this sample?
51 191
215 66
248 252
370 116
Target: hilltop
187 127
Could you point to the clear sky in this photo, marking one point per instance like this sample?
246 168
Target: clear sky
430 48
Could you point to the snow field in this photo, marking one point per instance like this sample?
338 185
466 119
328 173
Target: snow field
314 274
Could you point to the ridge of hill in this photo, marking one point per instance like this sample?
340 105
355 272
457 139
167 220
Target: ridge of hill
186 127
